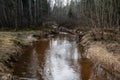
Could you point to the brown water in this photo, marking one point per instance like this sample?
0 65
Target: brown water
58 58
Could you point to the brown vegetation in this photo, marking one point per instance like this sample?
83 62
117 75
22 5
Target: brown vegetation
11 44
103 48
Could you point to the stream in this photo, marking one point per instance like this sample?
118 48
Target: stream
58 58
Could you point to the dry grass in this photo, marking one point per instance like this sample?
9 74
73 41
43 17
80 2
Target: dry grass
99 54
10 49
104 49
6 42
98 35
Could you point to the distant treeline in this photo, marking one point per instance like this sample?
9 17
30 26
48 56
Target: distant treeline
88 13
23 13
75 13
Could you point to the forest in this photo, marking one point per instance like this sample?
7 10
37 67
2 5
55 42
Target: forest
59 39
15 14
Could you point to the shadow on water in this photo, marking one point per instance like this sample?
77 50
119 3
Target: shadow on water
58 58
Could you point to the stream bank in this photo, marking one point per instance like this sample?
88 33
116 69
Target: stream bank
12 45
58 58
104 50
97 50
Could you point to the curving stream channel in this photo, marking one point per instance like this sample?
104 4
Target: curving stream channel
58 58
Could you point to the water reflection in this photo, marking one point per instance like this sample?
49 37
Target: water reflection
41 48
58 58
85 70
61 61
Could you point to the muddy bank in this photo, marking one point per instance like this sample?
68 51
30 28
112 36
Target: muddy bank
100 48
11 48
